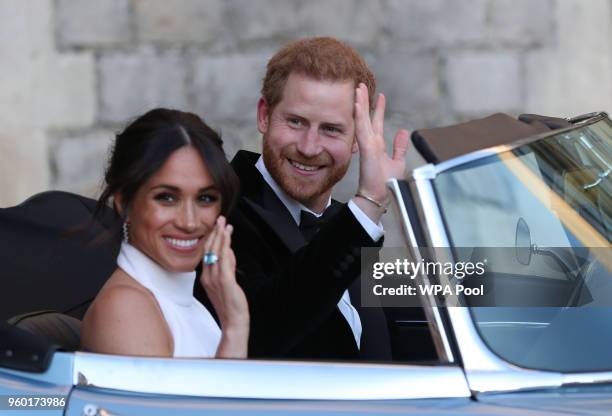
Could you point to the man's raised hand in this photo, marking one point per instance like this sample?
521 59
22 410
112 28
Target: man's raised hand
375 165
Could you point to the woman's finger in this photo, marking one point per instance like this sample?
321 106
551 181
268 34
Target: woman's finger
205 277
227 258
210 238
217 244
207 269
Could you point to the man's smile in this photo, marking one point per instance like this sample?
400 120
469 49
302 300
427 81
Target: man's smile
305 169
304 166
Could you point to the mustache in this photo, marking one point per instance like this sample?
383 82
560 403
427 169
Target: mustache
319 160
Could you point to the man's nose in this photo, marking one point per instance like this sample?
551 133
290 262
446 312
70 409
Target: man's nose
310 143
187 217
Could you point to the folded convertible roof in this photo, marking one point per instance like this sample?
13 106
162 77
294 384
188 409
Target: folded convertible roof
443 143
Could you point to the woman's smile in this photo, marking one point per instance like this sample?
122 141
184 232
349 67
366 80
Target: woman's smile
185 245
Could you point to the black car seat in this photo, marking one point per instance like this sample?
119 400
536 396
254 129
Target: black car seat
61 330
53 261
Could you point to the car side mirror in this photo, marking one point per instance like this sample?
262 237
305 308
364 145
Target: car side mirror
522 242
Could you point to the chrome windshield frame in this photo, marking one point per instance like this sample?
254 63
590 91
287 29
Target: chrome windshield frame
486 372
434 319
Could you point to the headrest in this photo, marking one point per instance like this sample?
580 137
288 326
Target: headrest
61 330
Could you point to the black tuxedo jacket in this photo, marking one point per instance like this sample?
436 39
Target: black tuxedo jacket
292 286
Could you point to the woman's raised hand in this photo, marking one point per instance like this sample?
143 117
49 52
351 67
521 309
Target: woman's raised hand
219 281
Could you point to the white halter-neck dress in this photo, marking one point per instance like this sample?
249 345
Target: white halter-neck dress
194 330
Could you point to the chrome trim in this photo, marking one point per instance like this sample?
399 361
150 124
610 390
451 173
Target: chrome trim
587 378
497 324
467 158
431 213
393 185
268 379
430 171
586 117
436 326
425 172
485 371
92 410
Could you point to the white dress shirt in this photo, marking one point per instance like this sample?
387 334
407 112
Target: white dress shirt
375 231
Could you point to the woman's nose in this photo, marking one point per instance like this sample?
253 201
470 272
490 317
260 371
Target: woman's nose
187 217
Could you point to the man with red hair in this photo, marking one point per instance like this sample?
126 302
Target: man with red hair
297 250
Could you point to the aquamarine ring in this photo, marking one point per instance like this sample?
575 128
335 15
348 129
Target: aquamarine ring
210 257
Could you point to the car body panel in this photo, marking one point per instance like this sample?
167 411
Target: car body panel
585 400
283 380
117 403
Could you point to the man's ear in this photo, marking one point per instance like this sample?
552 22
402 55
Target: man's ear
263 115
355 147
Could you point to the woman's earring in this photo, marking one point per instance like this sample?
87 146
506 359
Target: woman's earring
126 232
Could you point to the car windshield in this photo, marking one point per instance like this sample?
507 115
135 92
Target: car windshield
549 204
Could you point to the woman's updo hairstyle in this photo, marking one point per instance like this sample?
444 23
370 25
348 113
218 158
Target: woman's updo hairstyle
145 145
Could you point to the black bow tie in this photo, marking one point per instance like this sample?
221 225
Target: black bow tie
310 223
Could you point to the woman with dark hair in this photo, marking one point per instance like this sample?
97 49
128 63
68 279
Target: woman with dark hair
173 188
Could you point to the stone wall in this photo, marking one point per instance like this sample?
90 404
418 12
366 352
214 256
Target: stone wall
74 71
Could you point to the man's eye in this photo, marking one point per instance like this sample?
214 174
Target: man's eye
165 197
294 122
331 130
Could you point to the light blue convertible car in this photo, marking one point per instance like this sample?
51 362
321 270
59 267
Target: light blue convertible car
537 190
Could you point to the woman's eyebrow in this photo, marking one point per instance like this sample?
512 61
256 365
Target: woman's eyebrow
212 187
173 188
164 186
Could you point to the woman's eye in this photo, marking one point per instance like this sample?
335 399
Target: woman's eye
165 197
208 198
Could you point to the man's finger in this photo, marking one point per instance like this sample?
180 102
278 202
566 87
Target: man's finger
362 118
400 144
378 118
363 97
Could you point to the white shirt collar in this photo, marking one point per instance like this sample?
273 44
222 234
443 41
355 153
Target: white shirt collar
176 286
291 204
